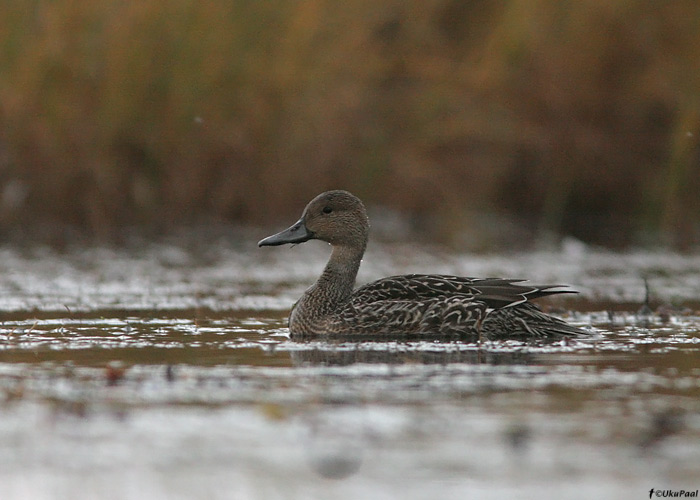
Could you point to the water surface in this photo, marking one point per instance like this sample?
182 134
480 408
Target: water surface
165 371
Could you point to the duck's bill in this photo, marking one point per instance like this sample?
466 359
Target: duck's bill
298 233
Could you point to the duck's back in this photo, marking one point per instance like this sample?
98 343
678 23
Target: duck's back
494 292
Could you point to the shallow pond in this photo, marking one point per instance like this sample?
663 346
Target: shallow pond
164 371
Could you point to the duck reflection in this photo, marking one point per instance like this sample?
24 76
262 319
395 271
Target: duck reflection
344 354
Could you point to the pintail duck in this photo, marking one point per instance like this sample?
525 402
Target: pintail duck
414 305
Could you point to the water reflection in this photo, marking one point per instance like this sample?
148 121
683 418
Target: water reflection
189 337
412 353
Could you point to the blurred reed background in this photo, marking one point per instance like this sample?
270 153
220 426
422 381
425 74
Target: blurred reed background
530 117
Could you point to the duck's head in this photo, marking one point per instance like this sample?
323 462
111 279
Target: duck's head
337 217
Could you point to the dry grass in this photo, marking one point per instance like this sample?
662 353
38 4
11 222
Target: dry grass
580 118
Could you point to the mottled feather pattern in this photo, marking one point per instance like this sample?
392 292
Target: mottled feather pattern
448 316
525 321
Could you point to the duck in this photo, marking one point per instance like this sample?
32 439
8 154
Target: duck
405 306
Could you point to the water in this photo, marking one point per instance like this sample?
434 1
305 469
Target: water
165 372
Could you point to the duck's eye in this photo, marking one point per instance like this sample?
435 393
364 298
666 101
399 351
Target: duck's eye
327 210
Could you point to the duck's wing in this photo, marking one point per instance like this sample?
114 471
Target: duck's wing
495 293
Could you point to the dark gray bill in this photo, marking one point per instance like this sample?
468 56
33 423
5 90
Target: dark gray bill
295 234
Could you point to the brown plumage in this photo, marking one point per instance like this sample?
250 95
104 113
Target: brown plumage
421 305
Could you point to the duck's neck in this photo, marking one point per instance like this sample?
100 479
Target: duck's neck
337 281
